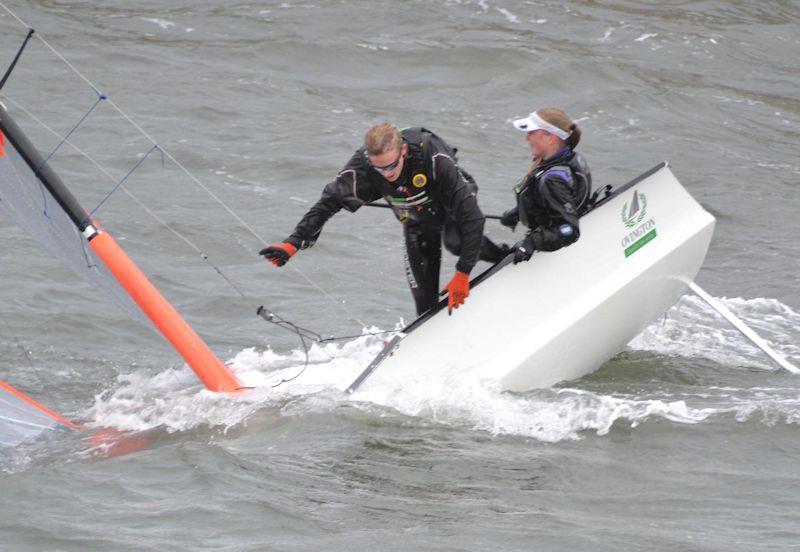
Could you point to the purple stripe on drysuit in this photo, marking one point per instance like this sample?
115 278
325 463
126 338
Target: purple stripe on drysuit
564 175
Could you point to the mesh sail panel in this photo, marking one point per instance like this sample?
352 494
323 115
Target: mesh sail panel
26 201
21 420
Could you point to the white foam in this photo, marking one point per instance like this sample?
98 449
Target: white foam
163 23
546 415
508 15
172 399
607 36
693 329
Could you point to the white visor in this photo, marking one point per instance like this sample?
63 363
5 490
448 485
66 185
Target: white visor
534 122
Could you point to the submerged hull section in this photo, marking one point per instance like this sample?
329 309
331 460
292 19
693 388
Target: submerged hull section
563 314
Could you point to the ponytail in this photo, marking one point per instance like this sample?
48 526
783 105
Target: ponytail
575 137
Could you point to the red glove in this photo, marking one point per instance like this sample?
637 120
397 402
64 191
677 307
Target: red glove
278 253
459 291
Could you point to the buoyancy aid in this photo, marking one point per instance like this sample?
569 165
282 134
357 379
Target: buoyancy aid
414 196
537 206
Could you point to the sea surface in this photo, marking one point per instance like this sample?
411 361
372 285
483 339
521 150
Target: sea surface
687 440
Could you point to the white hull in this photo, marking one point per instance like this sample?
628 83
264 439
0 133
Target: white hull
563 314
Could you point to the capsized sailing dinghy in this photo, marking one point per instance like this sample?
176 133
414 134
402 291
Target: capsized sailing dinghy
563 314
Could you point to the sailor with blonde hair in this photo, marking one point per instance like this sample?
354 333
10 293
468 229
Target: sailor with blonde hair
417 174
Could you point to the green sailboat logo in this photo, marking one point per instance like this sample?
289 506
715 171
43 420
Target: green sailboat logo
634 214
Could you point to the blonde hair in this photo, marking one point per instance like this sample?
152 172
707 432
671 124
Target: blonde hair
382 138
558 117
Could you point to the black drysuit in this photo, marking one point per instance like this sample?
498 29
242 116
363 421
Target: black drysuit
432 196
551 199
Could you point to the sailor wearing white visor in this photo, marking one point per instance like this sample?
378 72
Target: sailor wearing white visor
554 192
535 122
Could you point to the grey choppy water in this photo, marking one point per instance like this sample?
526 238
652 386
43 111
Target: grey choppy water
685 441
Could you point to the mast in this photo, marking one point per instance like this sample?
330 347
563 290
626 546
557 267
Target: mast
211 371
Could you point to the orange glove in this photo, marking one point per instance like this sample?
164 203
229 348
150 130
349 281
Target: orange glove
278 253
459 291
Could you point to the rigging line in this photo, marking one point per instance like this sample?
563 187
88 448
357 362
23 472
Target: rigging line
139 202
303 333
273 318
182 168
297 329
87 258
227 279
124 178
285 324
14 15
16 59
140 129
56 52
339 337
194 179
237 217
303 369
102 169
100 98
111 177
340 304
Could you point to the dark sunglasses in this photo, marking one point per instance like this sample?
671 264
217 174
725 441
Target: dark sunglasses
390 166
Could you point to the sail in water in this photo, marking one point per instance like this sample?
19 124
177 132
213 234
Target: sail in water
34 197
22 418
